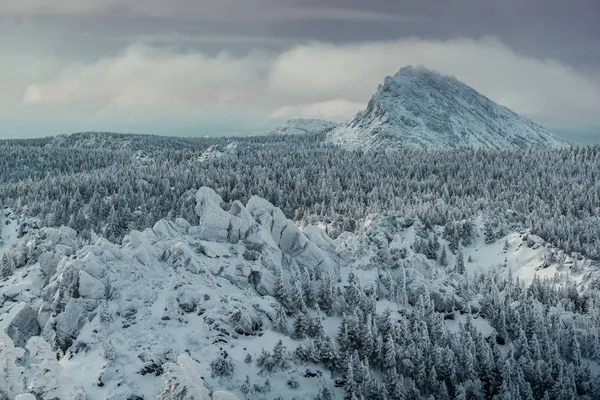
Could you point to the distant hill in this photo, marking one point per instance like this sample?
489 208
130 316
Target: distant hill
301 126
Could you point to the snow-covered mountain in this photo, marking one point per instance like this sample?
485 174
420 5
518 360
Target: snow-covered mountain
301 126
422 108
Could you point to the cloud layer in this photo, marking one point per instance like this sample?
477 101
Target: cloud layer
202 10
312 80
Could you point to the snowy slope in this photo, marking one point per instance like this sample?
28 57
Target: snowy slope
421 108
8 235
526 255
301 126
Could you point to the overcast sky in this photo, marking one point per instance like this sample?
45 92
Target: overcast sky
196 67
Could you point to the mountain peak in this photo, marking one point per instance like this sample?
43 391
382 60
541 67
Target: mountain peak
420 71
418 107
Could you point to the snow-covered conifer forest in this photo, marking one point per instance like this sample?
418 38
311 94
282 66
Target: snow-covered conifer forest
284 266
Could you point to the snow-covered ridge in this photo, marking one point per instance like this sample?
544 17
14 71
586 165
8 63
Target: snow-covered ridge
91 140
421 108
302 126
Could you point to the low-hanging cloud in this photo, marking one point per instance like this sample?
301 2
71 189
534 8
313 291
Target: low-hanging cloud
332 109
149 77
315 79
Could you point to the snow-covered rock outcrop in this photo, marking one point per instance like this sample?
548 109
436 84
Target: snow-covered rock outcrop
421 108
124 310
20 323
216 151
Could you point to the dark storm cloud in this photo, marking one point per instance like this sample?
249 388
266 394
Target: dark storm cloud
568 30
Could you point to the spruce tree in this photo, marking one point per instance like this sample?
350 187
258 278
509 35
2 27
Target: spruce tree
280 293
222 366
6 267
488 233
350 385
301 325
444 257
460 263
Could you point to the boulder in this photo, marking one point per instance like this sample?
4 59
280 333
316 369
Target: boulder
183 224
64 250
216 224
188 299
319 237
278 225
63 235
134 239
20 324
264 282
214 221
258 203
260 239
48 262
246 271
292 239
25 396
220 395
70 321
264 219
165 229
68 237
314 260
10 293
180 255
90 287
240 222
214 250
93 267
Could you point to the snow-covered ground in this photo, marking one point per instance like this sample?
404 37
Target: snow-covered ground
8 233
